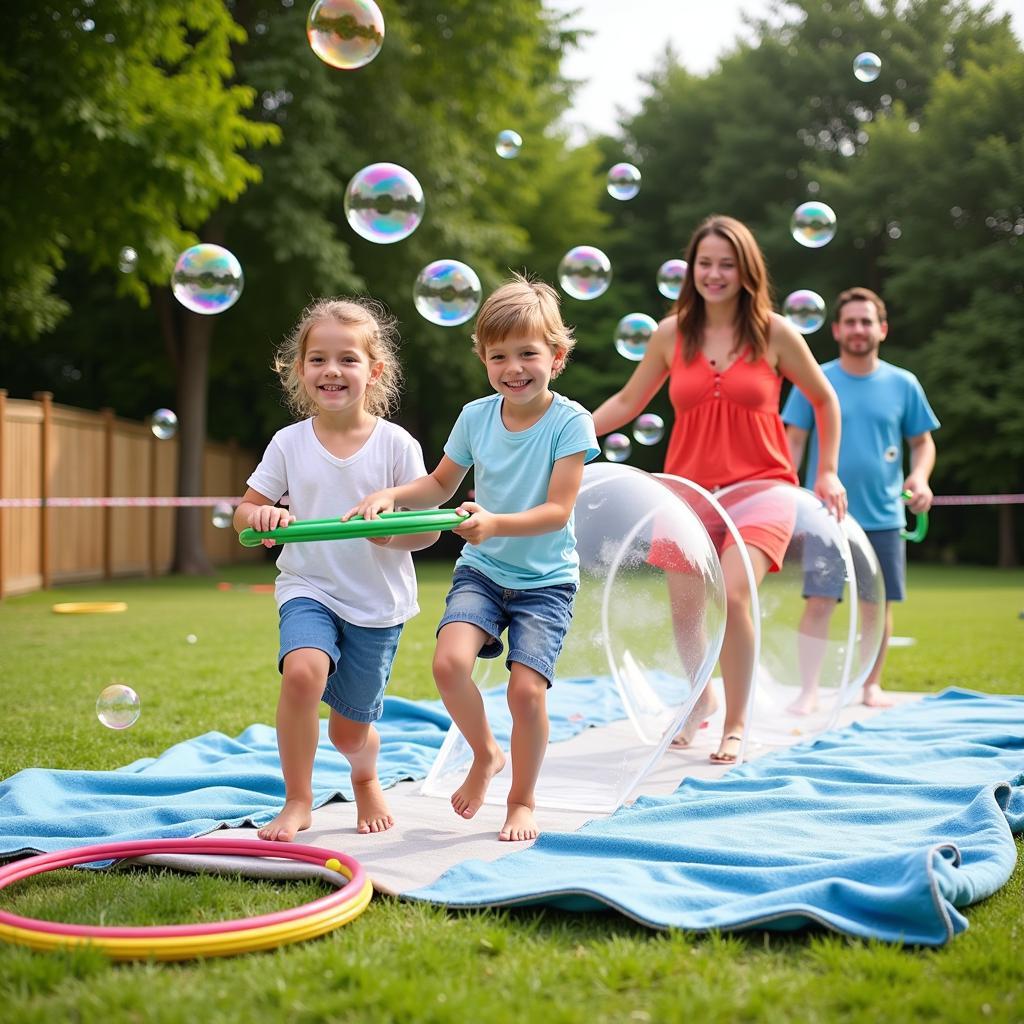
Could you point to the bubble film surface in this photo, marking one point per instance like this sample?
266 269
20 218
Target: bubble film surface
867 66
207 279
384 203
164 424
585 272
623 181
347 34
508 144
632 334
617 448
447 293
670 278
805 310
117 706
813 224
648 429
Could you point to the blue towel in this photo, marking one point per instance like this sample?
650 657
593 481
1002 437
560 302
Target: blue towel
881 830
213 780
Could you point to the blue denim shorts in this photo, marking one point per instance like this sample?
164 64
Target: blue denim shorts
361 656
825 576
537 620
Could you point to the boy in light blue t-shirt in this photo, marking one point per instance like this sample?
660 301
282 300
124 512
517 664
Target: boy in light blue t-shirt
519 569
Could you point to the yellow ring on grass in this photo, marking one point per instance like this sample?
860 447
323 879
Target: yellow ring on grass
89 607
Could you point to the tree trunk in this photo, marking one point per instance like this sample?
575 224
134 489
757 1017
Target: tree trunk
1007 538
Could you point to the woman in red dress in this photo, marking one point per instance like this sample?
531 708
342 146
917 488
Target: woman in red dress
724 353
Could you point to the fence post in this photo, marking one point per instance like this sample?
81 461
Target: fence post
3 425
108 490
45 398
153 442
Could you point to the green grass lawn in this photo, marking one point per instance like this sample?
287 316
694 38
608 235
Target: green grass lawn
409 962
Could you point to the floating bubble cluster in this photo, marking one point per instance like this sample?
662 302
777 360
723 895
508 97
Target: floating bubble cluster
585 272
508 143
867 66
670 278
623 181
447 293
648 429
207 279
117 706
347 34
805 310
384 203
617 448
813 224
632 333
163 424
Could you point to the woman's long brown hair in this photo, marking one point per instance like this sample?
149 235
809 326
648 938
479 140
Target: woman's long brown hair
753 318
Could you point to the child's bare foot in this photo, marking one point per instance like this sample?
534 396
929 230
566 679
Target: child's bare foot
294 817
876 697
706 706
519 824
469 797
805 704
372 811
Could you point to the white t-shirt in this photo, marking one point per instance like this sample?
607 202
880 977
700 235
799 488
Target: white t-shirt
364 584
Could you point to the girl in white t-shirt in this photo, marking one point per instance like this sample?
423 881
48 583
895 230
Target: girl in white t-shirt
341 603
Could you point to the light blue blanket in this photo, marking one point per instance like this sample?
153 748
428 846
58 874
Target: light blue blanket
883 829
213 780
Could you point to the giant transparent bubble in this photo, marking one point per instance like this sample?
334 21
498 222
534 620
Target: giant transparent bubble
447 293
585 272
813 224
346 34
384 203
632 334
870 607
805 310
207 279
646 632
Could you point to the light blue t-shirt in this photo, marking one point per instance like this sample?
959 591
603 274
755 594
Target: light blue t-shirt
512 471
879 410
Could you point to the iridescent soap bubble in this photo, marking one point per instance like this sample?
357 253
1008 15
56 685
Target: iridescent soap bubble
384 203
127 260
117 706
222 515
447 293
345 33
623 181
617 448
508 143
207 279
632 333
648 429
191 638
867 66
164 424
670 278
813 224
805 310
585 272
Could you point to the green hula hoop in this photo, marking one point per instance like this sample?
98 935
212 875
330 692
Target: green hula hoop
920 530
389 524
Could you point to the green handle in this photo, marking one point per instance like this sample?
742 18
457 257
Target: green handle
920 530
390 524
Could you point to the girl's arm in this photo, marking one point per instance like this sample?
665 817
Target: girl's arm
645 382
430 491
259 512
797 364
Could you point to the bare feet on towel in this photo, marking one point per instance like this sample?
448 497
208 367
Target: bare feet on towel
519 824
805 704
372 811
728 750
294 817
469 797
876 697
706 706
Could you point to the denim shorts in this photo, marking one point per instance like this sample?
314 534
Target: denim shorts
361 656
537 620
825 575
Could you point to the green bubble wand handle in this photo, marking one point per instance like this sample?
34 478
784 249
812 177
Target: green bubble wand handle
388 525
920 530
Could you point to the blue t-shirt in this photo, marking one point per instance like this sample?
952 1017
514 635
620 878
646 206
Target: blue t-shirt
512 471
879 410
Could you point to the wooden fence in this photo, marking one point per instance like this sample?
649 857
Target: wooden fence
55 451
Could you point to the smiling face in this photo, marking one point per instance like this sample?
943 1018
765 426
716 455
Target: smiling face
336 369
520 369
858 330
716 274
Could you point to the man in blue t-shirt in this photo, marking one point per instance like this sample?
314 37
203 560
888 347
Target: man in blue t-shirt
882 406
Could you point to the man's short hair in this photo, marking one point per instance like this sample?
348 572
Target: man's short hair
859 295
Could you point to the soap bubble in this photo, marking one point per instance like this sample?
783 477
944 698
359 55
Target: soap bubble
127 260
191 638
867 66
447 293
585 272
384 203
163 424
222 515
508 143
346 34
623 181
117 706
670 278
632 333
617 448
207 279
813 224
805 310
648 429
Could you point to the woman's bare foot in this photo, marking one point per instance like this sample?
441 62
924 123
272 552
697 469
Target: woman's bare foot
876 697
372 812
519 824
469 797
294 817
805 704
706 706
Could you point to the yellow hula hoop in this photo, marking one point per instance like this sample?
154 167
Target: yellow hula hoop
89 607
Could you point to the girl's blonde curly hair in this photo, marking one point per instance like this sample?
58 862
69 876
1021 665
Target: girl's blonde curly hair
377 330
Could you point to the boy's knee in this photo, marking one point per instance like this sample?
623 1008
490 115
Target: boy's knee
348 737
526 693
449 669
303 679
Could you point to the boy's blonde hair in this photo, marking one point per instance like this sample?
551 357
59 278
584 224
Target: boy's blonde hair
523 308
376 328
